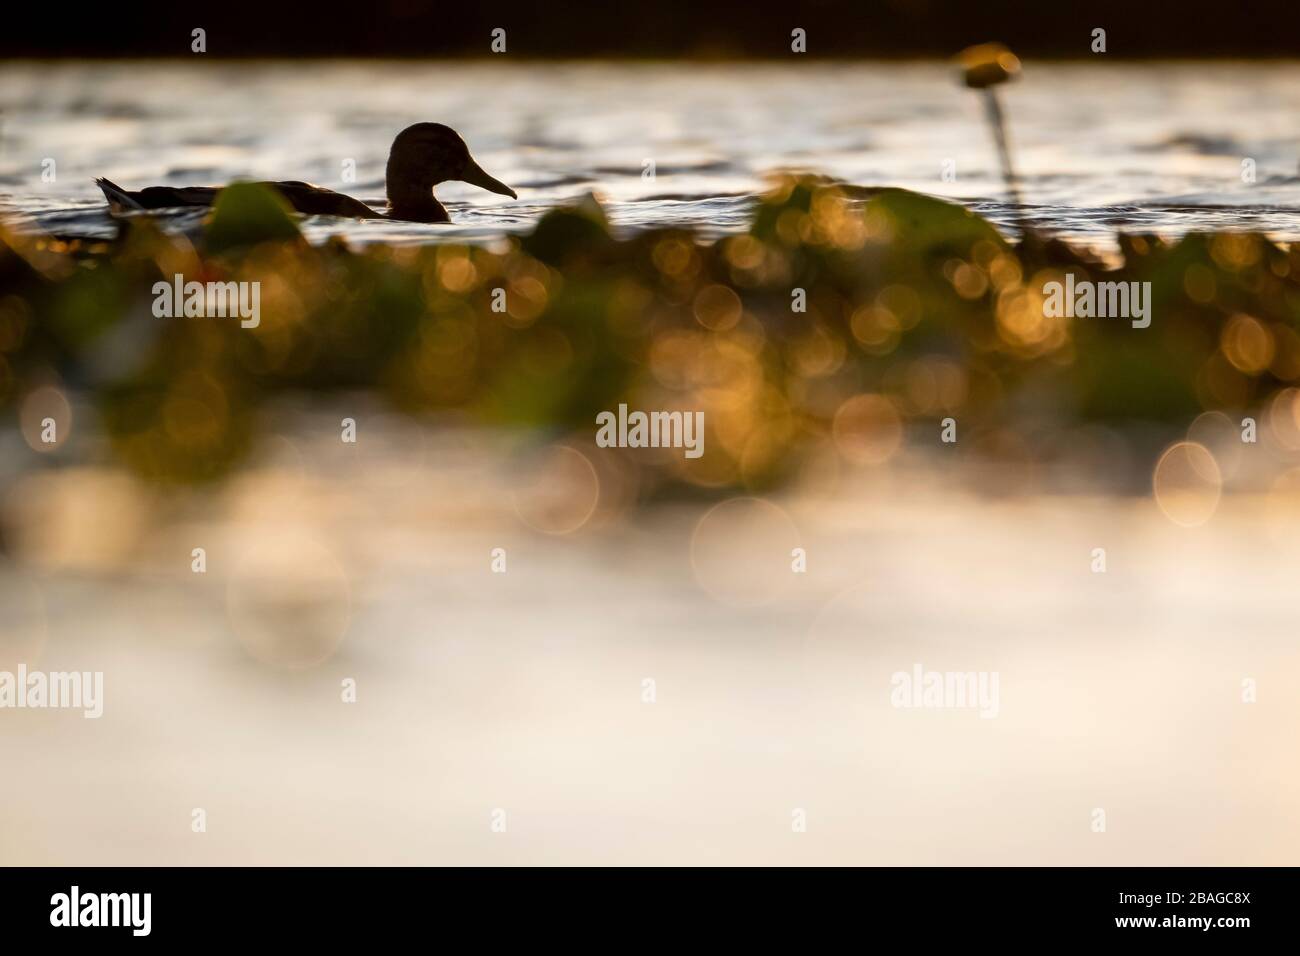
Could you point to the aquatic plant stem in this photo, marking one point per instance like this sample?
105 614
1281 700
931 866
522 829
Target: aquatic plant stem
998 121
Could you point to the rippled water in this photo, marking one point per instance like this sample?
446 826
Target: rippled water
1100 146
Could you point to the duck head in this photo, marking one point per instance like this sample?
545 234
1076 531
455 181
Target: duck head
422 156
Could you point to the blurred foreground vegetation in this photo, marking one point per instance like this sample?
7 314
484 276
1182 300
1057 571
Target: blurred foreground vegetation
913 310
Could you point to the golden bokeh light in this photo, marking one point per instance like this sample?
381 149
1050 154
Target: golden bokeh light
557 490
717 307
1283 418
867 429
1219 433
741 551
1248 344
876 328
1187 484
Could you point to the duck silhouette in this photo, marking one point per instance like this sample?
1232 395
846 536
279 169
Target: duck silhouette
422 156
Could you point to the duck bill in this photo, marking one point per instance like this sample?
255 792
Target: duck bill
475 176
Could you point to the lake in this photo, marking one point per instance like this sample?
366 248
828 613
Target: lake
526 691
653 682
1100 146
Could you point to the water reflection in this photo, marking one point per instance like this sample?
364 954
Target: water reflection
561 130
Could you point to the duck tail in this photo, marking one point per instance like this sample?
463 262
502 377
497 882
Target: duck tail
119 200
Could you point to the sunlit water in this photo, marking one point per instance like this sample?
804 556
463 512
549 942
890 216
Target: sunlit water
1100 146
525 689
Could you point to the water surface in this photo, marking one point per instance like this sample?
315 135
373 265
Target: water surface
1101 146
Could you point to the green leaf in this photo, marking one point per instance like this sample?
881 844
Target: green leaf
246 214
923 224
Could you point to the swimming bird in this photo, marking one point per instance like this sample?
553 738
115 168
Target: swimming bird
422 156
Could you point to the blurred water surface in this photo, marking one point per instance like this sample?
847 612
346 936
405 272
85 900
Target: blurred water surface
1101 146
525 691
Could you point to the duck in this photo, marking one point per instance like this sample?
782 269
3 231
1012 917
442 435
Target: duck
422 156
